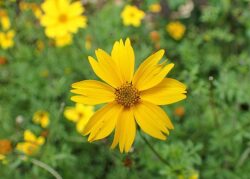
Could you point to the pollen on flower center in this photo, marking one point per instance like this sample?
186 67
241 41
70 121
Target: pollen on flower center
63 18
127 95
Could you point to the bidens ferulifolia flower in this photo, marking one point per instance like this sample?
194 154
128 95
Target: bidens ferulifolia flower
80 114
176 30
131 15
31 143
61 19
132 98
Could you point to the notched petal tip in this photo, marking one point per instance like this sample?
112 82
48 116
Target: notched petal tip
127 42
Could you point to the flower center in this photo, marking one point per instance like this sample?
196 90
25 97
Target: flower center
80 115
63 18
127 95
132 15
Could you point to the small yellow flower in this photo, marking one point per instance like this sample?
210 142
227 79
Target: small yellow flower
132 97
195 175
180 177
6 39
31 143
2 157
62 17
63 40
131 15
24 6
5 146
41 118
155 8
5 21
176 30
80 114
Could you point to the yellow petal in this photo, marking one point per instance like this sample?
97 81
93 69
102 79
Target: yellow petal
103 122
125 131
150 121
80 125
71 114
123 56
161 117
29 136
108 65
153 75
104 73
146 67
40 140
45 121
167 92
75 9
92 92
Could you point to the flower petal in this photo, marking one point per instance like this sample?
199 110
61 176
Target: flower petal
150 73
125 131
103 122
152 120
167 92
71 114
92 92
123 56
105 68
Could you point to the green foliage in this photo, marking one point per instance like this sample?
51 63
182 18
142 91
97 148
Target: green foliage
212 59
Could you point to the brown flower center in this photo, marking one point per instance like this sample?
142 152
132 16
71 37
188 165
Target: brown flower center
63 18
127 95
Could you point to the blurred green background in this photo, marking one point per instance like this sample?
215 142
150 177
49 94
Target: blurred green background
211 139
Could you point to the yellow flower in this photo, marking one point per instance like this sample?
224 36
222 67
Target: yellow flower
80 114
31 143
195 175
132 98
5 21
24 6
2 157
63 40
41 118
62 17
155 8
176 30
131 15
6 39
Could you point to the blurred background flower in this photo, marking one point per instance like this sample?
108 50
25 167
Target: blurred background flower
176 29
80 114
131 15
31 144
41 118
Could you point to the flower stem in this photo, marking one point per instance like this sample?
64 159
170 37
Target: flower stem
46 167
153 150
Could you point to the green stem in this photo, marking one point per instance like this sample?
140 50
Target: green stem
153 150
213 106
46 167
